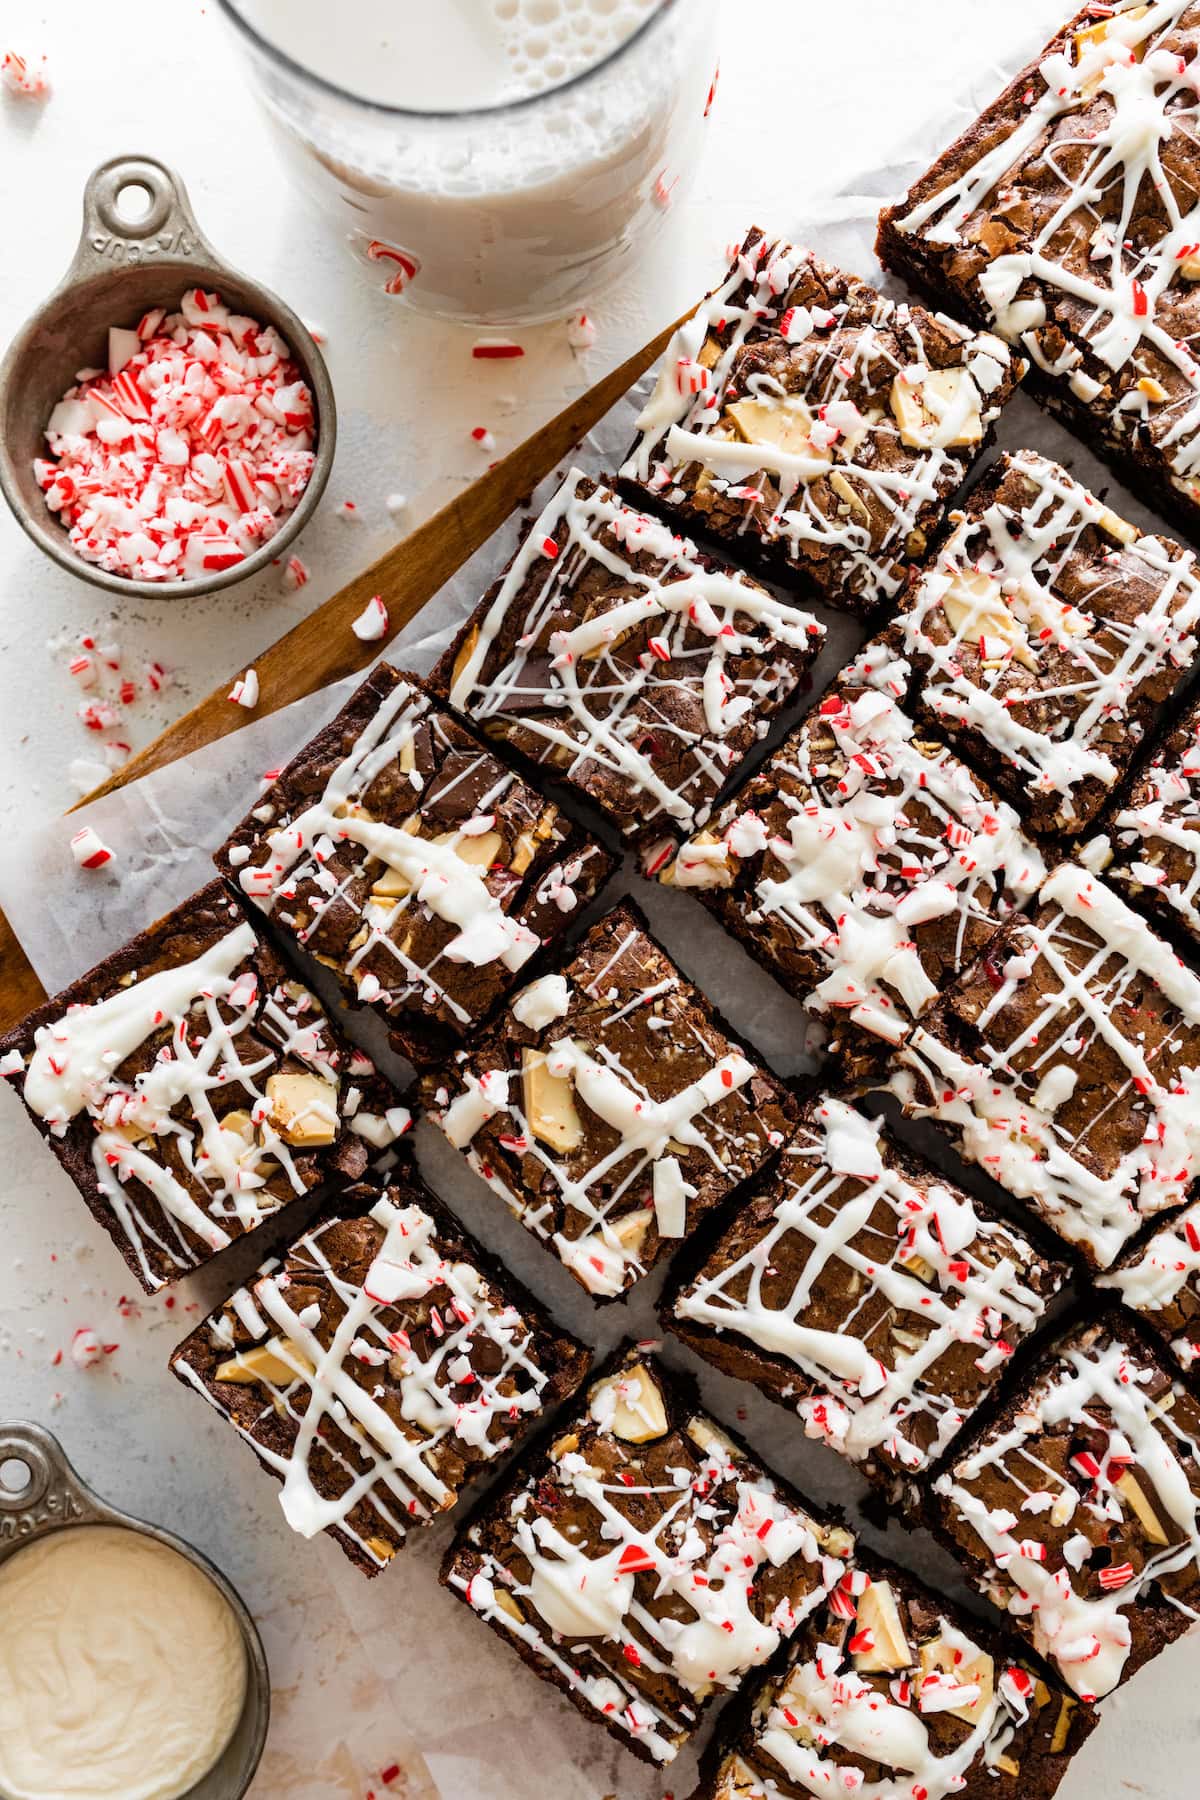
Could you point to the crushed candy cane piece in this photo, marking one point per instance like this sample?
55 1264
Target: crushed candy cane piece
86 1348
483 437
348 511
244 691
188 451
397 504
496 350
21 75
295 574
89 851
372 621
581 332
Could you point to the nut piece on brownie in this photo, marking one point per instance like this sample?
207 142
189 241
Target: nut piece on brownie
803 417
619 657
610 1107
644 1562
379 1367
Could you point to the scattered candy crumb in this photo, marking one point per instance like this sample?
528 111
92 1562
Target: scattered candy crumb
188 452
24 75
89 851
295 573
483 437
397 504
581 332
87 1350
372 621
496 349
244 691
316 332
347 510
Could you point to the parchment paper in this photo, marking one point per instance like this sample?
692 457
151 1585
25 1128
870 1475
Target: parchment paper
396 1671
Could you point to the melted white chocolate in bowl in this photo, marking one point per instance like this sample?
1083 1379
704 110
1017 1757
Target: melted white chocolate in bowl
122 1669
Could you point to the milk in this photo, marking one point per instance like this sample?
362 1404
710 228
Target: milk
496 191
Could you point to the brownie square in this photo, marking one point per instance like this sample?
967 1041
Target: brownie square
864 866
891 1692
1066 1063
610 1107
861 1290
398 851
1063 219
644 1561
1161 1282
1156 837
191 1087
1047 637
616 655
1078 1510
803 418
379 1367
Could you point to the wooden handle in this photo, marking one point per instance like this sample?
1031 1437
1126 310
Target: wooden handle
322 648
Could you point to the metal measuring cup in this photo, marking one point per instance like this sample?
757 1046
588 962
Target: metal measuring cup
121 270
54 1498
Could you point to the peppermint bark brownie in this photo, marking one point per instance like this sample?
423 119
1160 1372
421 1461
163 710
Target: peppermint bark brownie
1064 218
864 866
1161 1282
890 1692
1078 1510
617 656
1156 837
644 1561
397 850
803 418
865 1293
379 1367
191 1088
1046 637
610 1107
1066 1063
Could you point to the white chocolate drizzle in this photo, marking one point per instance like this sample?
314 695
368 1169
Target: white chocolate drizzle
161 1132
1023 1127
882 836
846 485
1046 1584
923 1270
449 1407
1152 1281
1003 635
721 656
1096 136
705 1537
1157 836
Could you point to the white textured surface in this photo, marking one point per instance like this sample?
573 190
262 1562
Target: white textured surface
809 96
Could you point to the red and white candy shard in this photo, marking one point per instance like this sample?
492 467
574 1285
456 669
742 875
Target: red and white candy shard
22 75
372 621
188 452
89 851
244 691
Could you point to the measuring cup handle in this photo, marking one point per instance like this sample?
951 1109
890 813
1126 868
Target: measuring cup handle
52 1495
167 229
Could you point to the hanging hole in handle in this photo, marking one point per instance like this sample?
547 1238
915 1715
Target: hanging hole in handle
16 1479
133 202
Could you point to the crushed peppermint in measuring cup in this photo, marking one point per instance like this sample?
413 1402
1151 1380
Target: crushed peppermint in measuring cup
188 452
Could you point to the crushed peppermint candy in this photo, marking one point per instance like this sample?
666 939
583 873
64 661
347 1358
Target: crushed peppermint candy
21 75
244 691
581 331
483 437
187 454
496 350
372 621
349 512
397 505
87 1350
295 574
89 851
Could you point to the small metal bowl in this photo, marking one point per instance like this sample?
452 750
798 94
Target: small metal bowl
54 1498
121 270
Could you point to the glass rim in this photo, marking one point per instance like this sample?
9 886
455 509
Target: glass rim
497 109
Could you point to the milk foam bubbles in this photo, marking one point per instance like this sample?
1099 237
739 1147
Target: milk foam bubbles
435 55
532 146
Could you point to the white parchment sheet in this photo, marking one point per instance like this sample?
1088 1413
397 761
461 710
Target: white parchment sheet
404 1673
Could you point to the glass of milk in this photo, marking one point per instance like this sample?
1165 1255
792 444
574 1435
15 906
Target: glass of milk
489 159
